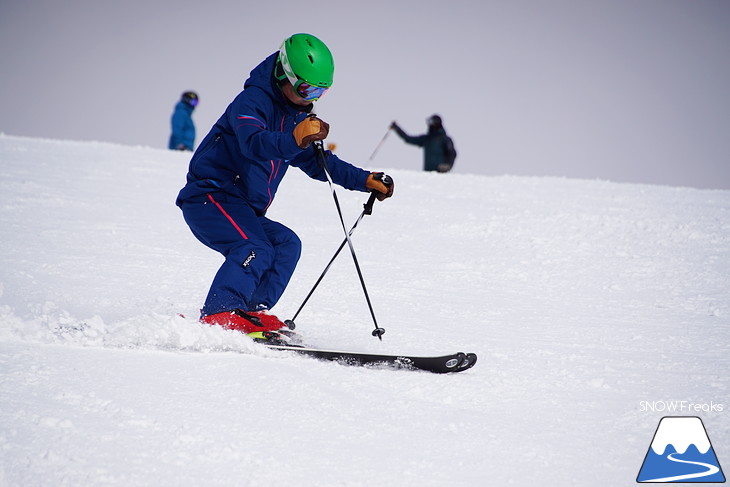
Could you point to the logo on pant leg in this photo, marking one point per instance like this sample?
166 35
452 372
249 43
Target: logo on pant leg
248 260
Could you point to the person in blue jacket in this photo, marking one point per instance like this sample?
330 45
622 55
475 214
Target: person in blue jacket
183 128
235 173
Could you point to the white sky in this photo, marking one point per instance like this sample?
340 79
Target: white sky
625 90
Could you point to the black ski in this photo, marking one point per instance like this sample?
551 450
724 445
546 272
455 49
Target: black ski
455 362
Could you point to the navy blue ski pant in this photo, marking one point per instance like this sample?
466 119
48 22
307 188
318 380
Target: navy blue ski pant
260 254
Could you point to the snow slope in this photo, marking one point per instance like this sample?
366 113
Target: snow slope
582 298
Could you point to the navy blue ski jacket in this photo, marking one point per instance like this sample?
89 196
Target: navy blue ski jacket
249 149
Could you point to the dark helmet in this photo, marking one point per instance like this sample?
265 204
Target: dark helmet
434 121
190 98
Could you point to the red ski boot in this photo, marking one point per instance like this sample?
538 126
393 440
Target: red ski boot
245 321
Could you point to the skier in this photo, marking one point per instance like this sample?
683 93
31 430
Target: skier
438 148
183 128
236 170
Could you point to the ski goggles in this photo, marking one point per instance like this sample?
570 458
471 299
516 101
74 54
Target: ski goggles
309 92
193 102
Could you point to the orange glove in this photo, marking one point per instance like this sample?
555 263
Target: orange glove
309 130
380 183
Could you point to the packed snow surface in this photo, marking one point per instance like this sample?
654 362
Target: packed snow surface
594 308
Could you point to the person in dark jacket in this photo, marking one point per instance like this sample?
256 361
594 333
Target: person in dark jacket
183 128
236 171
439 153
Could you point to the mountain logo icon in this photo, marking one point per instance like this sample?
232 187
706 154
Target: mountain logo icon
680 452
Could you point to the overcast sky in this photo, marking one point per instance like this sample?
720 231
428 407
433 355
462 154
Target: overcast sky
624 90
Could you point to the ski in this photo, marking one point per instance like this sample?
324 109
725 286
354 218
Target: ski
455 362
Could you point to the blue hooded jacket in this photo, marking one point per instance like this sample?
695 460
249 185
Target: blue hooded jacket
183 128
251 146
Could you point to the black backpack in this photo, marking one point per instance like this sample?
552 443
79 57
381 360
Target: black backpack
449 151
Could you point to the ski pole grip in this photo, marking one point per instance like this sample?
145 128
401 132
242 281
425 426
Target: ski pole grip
369 204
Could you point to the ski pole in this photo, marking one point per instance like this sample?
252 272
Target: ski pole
367 210
378 331
377 148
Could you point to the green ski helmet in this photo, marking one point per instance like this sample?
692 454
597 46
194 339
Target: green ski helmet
308 65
